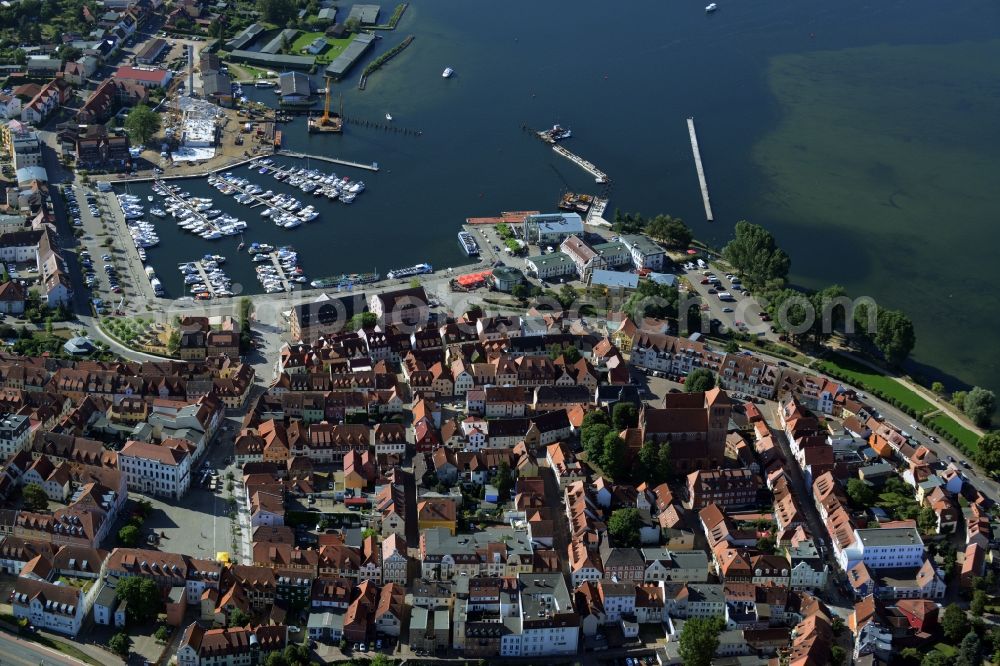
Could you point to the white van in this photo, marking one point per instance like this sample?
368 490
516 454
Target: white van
702 264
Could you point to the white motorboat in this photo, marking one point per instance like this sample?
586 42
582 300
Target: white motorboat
711 8
448 71
388 117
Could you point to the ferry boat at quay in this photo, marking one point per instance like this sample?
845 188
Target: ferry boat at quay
344 280
468 243
410 271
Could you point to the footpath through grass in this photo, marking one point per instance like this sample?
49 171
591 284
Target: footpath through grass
873 381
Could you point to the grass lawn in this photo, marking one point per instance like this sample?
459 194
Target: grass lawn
967 439
335 48
945 649
872 380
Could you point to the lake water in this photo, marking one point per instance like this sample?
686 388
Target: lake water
862 134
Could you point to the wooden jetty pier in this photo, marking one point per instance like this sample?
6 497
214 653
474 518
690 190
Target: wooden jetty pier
701 170
589 167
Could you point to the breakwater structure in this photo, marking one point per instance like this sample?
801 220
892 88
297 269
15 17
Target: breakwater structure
586 165
377 64
394 19
700 169
333 160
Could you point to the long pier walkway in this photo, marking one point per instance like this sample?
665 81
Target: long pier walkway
701 170
589 167
333 160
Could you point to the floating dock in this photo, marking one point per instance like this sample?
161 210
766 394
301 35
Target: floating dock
597 209
589 167
333 160
701 170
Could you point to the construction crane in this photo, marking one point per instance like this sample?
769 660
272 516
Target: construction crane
328 122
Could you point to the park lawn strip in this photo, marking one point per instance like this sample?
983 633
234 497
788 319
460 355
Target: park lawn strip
871 380
335 48
966 439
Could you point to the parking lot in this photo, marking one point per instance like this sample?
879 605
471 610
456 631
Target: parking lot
741 312
104 252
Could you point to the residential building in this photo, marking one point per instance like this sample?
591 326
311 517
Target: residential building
158 469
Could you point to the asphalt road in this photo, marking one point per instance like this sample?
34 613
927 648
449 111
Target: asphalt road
15 651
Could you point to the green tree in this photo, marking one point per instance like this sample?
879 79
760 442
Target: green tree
628 223
664 465
756 256
239 618
700 379
120 644
278 12
732 347
652 300
592 440
613 456
69 53
503 481
894 336
519 291
174 342
860 494
650 468
129 536
162 634
958 399
978 604
969 651
624 415
954 623
594 417
364 320
141 596
911 656
142 123
352 24
938 388
34 498
838 656
699 640
671 231
979 406
927 520
623 527
935 658
567 296
988 452
767 544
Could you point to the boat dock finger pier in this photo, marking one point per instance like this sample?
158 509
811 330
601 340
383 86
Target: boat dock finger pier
286 284
203 274
701 170
201 217
589 167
